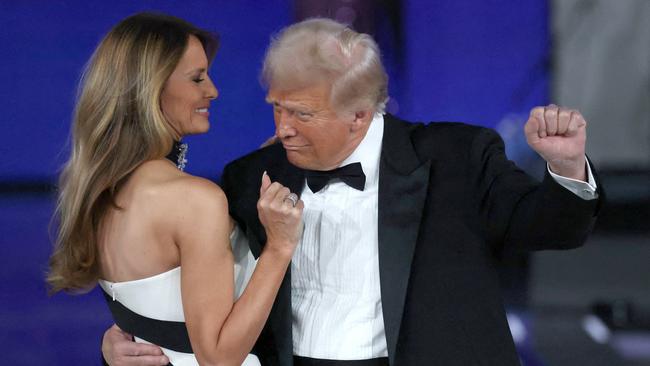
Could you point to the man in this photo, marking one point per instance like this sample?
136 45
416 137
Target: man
403 222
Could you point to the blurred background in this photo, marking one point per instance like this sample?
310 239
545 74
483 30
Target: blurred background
482 62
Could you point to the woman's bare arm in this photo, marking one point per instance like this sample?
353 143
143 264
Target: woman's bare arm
221 330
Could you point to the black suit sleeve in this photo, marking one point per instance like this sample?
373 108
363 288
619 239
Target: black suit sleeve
230 188
521 214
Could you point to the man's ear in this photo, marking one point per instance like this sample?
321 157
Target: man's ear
361 120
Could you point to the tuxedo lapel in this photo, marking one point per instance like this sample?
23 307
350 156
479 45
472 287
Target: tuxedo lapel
280 317
286 174
403 182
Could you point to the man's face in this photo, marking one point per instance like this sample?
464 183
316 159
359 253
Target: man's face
312 133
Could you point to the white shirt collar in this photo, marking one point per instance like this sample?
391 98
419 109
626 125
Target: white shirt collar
369 150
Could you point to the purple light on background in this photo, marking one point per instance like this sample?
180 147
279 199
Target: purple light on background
345 15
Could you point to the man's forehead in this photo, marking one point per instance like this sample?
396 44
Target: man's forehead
312 95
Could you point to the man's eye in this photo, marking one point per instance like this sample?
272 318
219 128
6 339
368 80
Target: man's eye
198 80
304 115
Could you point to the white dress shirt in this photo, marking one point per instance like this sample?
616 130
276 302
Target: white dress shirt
585 190
335 294
335 288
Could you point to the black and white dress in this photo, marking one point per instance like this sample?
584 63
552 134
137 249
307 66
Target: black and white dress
152 310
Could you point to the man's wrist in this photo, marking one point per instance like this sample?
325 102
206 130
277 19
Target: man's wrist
568 169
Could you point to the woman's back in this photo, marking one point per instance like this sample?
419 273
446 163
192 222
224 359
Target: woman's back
140 257
137 240
126 214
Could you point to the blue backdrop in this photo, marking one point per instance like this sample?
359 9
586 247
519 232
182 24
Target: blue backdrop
470 61
473 61
479 61
49 42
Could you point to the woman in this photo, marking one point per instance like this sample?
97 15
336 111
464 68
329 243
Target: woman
159 238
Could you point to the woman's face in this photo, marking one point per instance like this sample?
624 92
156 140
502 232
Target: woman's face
185 99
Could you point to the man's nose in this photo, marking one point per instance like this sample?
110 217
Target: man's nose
284 125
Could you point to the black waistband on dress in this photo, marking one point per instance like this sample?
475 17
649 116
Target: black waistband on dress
306 361
167 334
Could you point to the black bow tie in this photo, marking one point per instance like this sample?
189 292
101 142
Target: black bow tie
351 174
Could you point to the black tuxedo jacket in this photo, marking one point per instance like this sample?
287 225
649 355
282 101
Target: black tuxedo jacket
450 204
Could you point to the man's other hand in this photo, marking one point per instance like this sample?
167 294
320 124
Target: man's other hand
119 349
559 136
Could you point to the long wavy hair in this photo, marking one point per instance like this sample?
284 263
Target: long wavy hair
118 124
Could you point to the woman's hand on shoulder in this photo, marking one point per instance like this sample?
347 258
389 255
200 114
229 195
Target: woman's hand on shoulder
281 216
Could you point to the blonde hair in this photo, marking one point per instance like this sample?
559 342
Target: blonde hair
322 50
117 125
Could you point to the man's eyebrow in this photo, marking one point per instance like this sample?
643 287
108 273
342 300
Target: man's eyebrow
274 102
295 106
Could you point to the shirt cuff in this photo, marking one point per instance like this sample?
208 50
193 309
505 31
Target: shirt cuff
584 190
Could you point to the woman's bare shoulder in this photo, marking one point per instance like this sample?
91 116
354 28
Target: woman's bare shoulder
196 190
197 212
160 185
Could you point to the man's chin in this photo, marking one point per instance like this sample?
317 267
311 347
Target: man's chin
298 160
295 159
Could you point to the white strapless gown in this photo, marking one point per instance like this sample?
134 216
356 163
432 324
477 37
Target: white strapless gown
159 297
